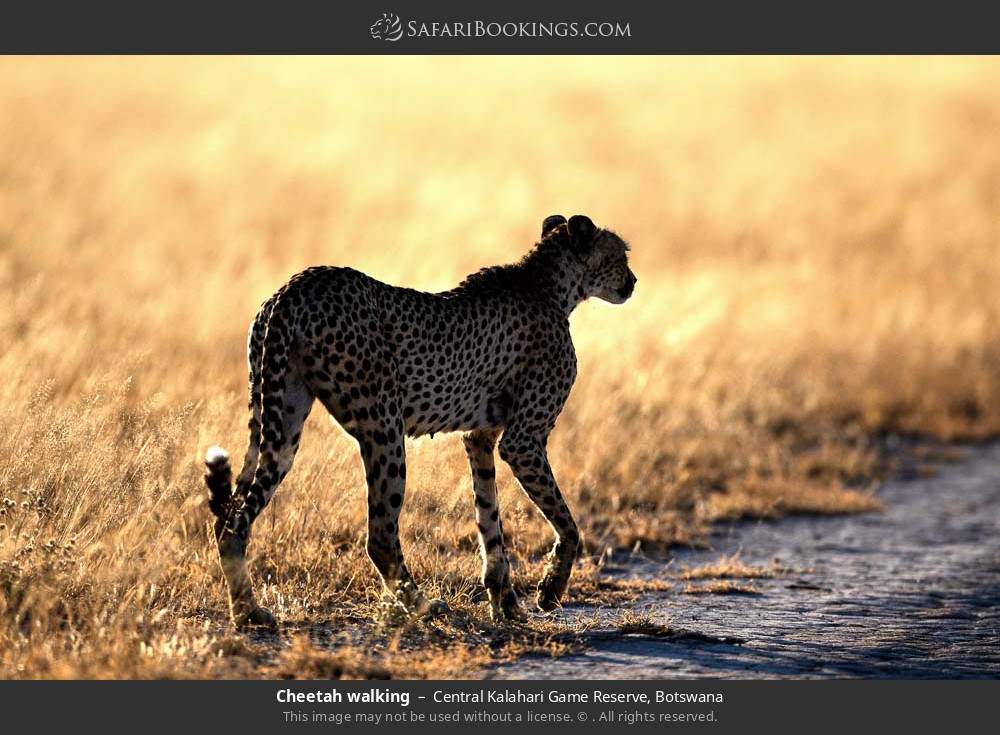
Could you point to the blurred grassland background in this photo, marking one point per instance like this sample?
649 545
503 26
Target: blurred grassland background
816 242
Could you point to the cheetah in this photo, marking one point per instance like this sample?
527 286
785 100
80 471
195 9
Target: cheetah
491 358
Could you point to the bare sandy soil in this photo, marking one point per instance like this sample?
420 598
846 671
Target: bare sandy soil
912 592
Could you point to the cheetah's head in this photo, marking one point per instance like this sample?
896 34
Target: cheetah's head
604 256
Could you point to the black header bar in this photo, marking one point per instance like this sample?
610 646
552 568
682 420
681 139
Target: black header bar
511 27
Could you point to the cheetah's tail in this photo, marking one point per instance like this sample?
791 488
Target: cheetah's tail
219 479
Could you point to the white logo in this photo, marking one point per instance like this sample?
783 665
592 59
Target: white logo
387 28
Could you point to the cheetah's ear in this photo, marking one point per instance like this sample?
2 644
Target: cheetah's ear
553 220
581 230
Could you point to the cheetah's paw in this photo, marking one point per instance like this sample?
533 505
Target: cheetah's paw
508 609
260 618
433 608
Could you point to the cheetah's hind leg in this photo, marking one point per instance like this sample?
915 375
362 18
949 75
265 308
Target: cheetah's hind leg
384 456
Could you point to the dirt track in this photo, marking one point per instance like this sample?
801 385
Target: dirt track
913 592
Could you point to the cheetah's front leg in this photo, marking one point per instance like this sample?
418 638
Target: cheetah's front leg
527 457
479 446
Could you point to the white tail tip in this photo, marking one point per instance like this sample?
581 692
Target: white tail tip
216 456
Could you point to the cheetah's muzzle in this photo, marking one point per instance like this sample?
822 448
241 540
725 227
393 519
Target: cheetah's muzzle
629 287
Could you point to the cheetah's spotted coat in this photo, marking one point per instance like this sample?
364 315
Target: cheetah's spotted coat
491 358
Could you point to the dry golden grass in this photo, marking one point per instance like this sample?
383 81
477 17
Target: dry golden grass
730 567
720 587
816 245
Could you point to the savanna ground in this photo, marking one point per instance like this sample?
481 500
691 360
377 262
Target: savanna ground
816 245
